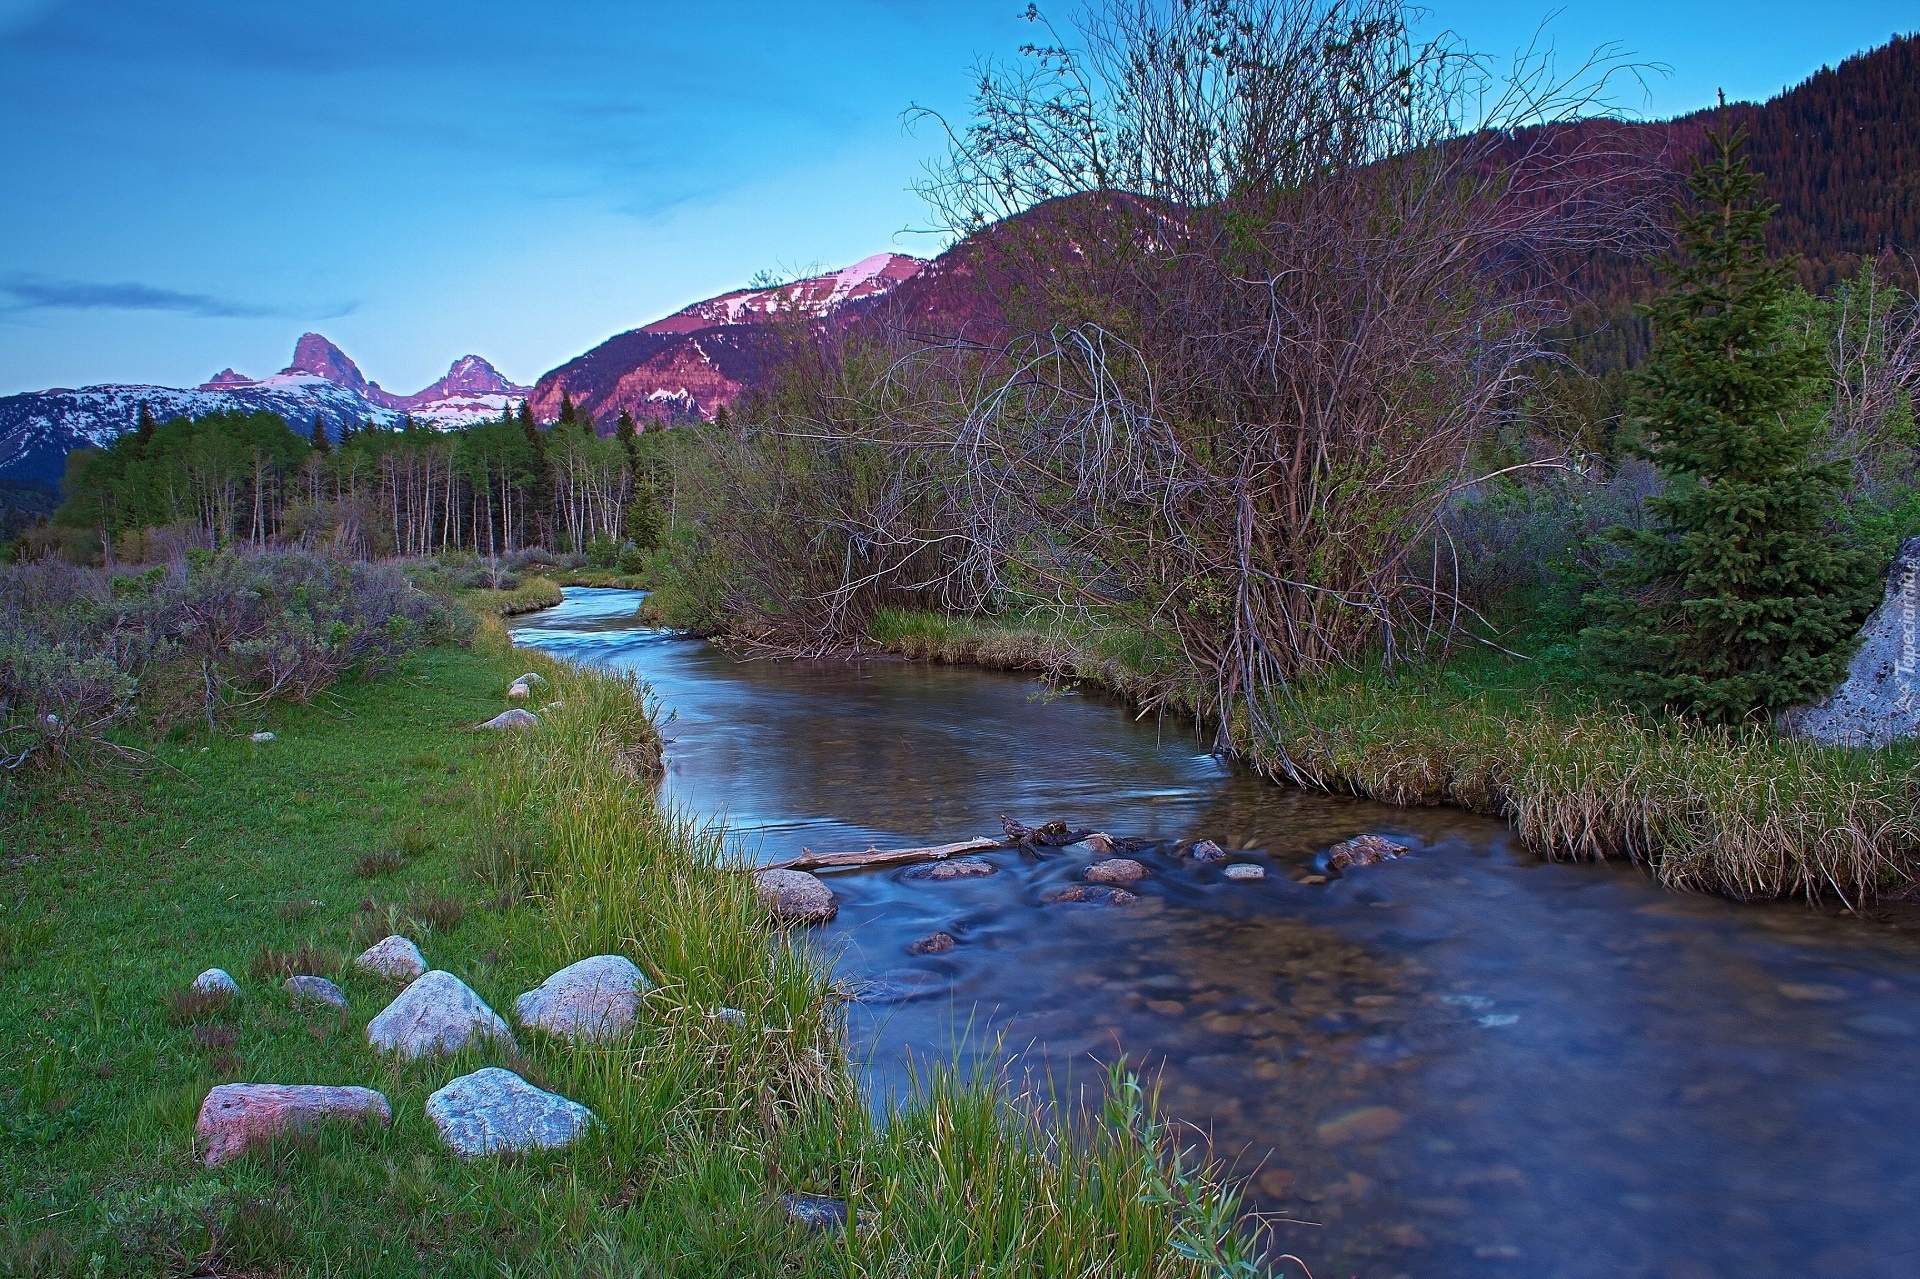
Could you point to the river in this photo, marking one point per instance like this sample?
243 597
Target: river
1461 1063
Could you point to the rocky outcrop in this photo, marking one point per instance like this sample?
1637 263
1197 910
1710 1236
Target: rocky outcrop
795 897
1879 703
438 1013
394 958
593 999
234 1116
495 1110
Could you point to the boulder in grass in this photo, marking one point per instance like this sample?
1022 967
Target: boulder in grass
234 1116
596 998
1879 702
394 958
511 720
494 1110
1116 870
258 738
795 897
316 990
1363 850
518 693
438 1013
216 981
531 678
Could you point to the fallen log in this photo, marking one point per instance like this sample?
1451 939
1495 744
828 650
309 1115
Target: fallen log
883 856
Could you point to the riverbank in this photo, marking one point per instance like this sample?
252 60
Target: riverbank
378 809
1745 813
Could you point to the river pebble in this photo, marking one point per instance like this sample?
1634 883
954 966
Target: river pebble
1118 870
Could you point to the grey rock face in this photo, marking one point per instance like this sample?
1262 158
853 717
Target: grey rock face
596 998
1880 701
438 1013
493 1110
394 958
235 1116
795 897
316 990
216 981
511 720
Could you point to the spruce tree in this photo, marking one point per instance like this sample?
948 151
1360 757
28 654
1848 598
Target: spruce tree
1738 598
318 436
145 426
566 408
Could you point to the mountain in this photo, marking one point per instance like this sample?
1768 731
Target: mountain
39 428
697 359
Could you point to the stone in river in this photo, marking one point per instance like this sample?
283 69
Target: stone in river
1812 992
1117 870
1879 702
216 981
1246 870
596 998
932 944
1092 894
394 958
1100 842
438 1013
795 897
1207 851
493 1110
512 720
958 868
235 1116
1363 850
1371 1123
317 989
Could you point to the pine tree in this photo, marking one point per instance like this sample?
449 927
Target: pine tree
145 426
526 413
318 436
566 408
723 417
628 433
1738 598
346 431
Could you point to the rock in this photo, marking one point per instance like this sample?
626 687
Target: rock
437 1013
958 868
1879 701
236 1115
394 958
1812 992
795 897
1313 879
261 737
1277 1183
518 693
732 1016
1207 851
817 1212
1092 894
317 989
596 998
493 1110
932 944
1371 1123
216 981
512 719
1100 842
1118 870
1246 870
531 678
1363 850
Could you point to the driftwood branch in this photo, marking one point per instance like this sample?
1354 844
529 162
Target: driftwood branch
884 856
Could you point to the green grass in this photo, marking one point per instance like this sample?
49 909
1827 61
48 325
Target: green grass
532 594
378 808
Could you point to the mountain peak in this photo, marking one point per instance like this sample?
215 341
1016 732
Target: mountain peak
225 378
315 355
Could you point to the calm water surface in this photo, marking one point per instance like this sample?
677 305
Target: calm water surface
1461 1063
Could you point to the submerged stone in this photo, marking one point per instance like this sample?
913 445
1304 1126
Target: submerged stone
1370 1123
1117 870
932 944
493 1110
1091 894
1363 850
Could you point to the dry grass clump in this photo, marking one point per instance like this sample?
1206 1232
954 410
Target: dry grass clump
374 865
309 960
189 1007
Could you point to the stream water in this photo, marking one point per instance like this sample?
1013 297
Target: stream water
1461 1063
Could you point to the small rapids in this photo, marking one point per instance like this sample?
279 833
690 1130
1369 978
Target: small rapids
1463 1062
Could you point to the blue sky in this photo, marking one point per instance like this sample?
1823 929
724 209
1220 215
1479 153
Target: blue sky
192 185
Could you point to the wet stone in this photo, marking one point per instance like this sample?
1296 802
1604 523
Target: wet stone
1370 1123
932 944
1812 992
1117 870
1363 850
958 868
1092 895
1246 870
795 897
316 990
1207 851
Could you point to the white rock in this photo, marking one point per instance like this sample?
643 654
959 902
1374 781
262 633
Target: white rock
795 896
531 678
595 998
1246 870
394 958
216 981
261 737
493 1110
1880 701
512 719
438 1013
317 989
519 693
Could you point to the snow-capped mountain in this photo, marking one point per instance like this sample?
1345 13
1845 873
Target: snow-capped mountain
697 359
39 428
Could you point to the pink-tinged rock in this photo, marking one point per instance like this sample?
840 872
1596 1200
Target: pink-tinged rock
1091 894
234 1116
512 720
1100 842
795 897
933 944
394 958
1363 850
1118 870
1207 851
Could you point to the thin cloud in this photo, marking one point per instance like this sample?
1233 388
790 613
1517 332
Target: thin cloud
40 293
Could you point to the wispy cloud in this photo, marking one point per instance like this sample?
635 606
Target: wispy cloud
42 293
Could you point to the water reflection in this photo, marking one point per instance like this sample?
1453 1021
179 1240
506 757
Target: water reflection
1460 1063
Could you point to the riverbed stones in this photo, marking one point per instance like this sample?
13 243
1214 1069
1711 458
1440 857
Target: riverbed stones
394 958
957 868
1116 870
1100 842
316 990
217 981
795 897
1879 701
1363 850
512 720
594 999
933 944
1206 850
437 1013
1091 895
234 1116
1370 1123
494 1110
1246 870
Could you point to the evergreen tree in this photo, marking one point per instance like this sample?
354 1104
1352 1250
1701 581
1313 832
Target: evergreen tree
526 413
723 418
566 408
628 433
1738 598
346 432
146 426
318 436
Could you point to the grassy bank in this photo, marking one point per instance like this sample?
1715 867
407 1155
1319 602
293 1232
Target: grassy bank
1742 812
377 809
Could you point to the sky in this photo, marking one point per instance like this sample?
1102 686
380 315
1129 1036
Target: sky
193 185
